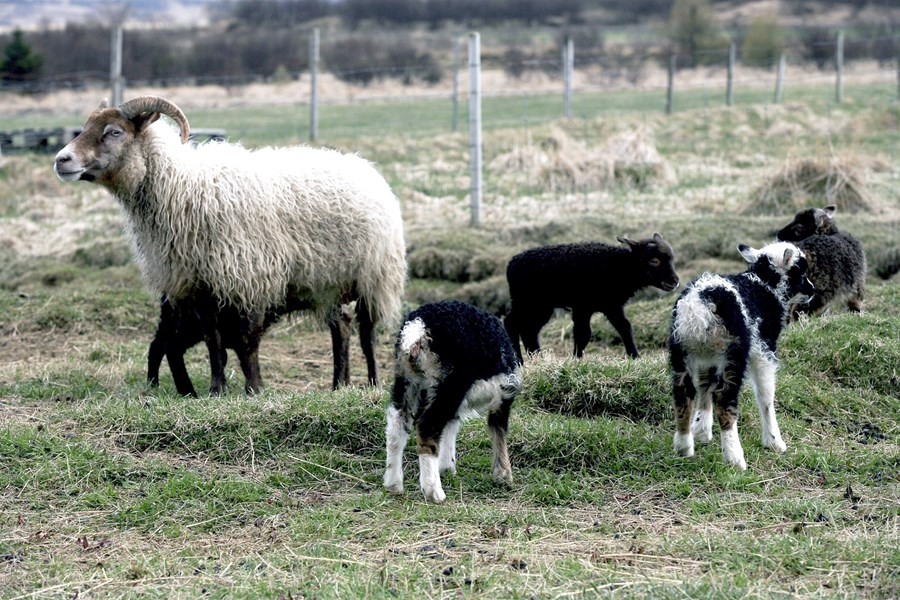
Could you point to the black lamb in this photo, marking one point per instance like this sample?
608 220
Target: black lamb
722 327
584 278
837 262
181 327
453 361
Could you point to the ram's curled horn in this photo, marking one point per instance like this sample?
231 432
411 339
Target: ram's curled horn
142 104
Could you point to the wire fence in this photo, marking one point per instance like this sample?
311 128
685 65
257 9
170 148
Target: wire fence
517 91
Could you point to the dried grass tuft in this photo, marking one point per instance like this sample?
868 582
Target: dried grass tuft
560 163
803 182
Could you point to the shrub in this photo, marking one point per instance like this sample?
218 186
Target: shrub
764 42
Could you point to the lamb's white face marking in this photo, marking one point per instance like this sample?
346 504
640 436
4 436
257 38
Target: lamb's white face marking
411 336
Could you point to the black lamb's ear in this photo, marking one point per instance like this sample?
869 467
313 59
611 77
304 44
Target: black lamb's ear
624 240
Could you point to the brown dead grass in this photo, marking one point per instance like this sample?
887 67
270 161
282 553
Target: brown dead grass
560 163
805 181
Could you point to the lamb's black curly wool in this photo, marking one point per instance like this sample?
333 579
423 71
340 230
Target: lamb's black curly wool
585 278
453 360
837 261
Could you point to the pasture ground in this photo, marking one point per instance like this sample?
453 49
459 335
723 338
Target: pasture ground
109 489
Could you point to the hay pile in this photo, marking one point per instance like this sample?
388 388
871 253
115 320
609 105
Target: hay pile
560 163
806 182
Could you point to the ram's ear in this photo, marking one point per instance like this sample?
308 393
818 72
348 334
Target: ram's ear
103 104
751 255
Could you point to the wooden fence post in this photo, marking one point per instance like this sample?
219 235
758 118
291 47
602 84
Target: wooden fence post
779 78
475 125
314 85
671 85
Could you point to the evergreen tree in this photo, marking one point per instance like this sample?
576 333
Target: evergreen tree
19 62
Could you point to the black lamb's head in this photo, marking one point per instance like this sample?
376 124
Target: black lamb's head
657 260
809 222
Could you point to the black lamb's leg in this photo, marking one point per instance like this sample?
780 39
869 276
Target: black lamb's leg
509 323
581 330
207 312
367 340
175 358
622 326
340 326
165 333
252 328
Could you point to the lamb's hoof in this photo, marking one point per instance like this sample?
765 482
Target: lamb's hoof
435 495
503 476
684 444
703 436
393 485
737 462
776 444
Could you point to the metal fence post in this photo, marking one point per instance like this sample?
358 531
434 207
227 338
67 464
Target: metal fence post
115 66
729 93
839 63
475 124
568 74
457 52
314 85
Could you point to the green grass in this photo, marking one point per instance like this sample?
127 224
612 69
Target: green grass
108 488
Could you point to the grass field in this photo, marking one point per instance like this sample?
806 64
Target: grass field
110 489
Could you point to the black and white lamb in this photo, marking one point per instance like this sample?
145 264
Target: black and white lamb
837 262
723 325
584 278
251 228
453 361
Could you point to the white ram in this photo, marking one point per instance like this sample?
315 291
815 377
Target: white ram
249 228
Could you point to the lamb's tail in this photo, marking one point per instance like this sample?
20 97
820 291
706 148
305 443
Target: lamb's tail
702 318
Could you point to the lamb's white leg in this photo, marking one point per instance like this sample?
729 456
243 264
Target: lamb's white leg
684 443
430 479
447 452
397 436
731 448
500 466
762 377
702 419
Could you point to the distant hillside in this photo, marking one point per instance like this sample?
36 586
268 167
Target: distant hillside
33 14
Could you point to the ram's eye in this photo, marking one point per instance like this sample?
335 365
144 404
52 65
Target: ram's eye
113 132
653 262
